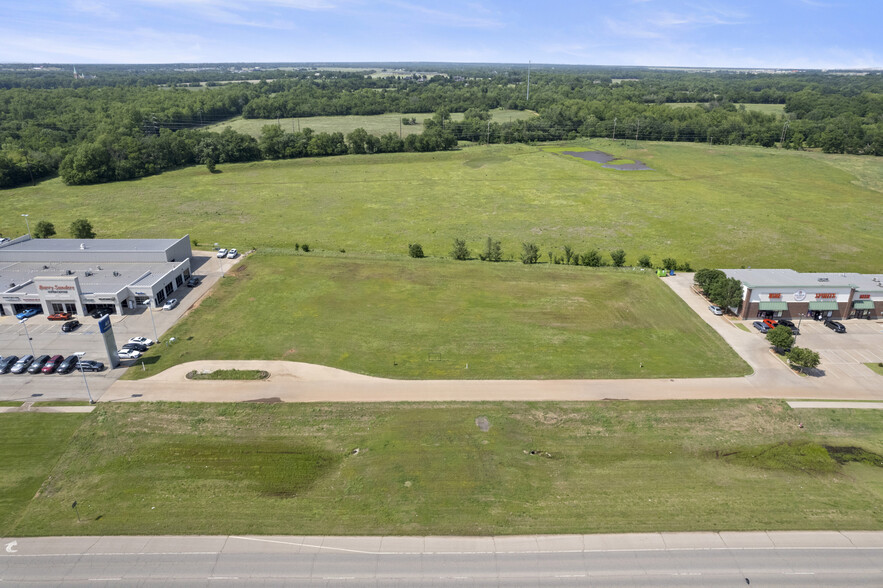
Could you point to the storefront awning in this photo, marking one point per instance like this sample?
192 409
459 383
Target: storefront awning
773 306
823 306
862 304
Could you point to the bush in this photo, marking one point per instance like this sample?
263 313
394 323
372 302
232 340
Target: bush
618 257
460 251
493 251
530 253
305 248
644 261
415 250
44 230
82 229
591 259
669 263
781 337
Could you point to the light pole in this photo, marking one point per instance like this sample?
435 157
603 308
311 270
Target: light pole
23 322
80 355
28 224
150 307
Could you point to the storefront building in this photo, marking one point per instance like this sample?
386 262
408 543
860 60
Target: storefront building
83 275
784 293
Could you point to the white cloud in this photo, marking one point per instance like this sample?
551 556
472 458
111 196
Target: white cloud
439 17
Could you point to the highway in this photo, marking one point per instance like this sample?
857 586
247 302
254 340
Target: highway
653 559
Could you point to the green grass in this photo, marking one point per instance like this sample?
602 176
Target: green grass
32 444
427 469
715 207
762 108
430 318
876 367
11 403
743 327
229 375
376 124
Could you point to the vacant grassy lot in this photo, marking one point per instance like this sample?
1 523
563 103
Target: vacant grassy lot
764 108
430 469
32 444
377 124
718 207
430 318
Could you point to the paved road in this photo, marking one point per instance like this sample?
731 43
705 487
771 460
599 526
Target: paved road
666 559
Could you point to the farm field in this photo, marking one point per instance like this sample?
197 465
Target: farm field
715 207
763 108
430 319
376 124
457 469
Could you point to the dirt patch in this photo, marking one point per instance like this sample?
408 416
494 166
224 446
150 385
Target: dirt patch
483 424
605 160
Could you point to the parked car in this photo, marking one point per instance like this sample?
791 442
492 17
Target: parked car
67 365
22 365
87 365
770 323
70 326
101 312
129 354
28 313
787 323
232 254
170 304
52 364
60 316
141 340
37 365
222 253
835 326
7 362
136 347
193 282
760 326
717 310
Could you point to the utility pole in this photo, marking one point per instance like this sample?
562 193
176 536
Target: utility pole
614 128
528 82
636 134
784 130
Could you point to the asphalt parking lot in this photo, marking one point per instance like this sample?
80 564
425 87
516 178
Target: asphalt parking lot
46 337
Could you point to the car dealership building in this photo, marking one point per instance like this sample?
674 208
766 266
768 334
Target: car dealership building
83 275
775 293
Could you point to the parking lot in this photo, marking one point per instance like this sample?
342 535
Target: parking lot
842 354
46 338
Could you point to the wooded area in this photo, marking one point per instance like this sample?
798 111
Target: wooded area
124 122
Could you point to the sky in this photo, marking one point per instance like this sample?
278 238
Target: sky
814 34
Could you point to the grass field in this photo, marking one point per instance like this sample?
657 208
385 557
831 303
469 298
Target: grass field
876 367
763 108
377 124
430 318
717 207
607 467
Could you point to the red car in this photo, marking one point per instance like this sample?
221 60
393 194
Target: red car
52 364
770 323
60 316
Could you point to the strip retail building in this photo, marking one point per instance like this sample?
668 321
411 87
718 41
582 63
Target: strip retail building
774 293
83 275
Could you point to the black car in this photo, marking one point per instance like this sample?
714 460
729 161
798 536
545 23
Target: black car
193 282
835 326
70 326
87 365
136 347
7 362
787 323
37 365
101 312
68 365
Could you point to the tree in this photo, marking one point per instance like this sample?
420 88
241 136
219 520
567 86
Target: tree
726 293
781 337
44 230
493 251
618 257
669 263
82 229
644 261
530 253
706 277
460 251
415 250
803 358
591 259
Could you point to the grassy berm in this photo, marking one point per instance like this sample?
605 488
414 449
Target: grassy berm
453 468
428 318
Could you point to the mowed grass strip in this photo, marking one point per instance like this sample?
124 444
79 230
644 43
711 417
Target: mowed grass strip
430 469
713 207
433 318
32 444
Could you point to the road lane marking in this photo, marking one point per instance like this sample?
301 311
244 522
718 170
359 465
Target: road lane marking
10 547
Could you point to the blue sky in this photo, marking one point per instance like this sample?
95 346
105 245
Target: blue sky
724 33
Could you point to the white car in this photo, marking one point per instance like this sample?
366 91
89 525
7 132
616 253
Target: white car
129 353
170 304
222 253
717 310
232 254
141 341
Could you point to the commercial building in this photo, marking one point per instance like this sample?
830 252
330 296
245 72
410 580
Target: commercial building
83 275
775 293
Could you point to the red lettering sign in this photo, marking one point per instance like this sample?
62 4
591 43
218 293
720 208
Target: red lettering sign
821 295
864 296
775 296
42 287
